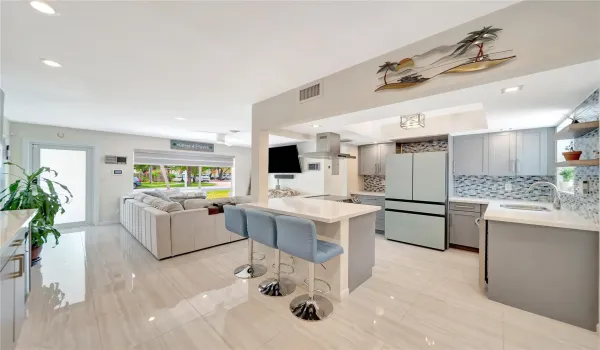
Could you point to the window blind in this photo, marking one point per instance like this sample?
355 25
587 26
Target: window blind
181 158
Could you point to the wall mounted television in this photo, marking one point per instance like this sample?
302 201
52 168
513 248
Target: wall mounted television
284 159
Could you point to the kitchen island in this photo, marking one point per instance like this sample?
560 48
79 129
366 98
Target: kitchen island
350 225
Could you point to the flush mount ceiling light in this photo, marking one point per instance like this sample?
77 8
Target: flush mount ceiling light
316 126
234 131
50 63
42 7
412 121
512 89
180 118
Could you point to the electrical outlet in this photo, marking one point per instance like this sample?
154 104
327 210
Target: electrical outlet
508 187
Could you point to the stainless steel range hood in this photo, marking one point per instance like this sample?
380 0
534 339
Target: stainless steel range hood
328 147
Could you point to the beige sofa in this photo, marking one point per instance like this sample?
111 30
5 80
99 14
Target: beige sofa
175 229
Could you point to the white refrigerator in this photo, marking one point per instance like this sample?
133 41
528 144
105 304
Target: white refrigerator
416 199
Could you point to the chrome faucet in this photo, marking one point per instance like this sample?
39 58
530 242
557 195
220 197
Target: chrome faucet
556 195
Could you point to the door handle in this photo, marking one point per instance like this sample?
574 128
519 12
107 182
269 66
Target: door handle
20 258
477 221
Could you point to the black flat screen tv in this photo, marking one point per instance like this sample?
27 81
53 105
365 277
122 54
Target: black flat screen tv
284 159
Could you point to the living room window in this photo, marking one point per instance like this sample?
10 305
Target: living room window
183 170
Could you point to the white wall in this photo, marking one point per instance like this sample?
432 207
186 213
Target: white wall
322 181
108 188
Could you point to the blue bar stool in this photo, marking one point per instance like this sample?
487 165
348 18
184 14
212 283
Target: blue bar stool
298 237
262 228
235 221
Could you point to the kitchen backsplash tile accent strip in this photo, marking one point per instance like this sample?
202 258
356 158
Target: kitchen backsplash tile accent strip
585 205
420 147
374 183
494 187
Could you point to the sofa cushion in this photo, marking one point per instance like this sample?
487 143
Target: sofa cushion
158 194
139 196
169 207
196 203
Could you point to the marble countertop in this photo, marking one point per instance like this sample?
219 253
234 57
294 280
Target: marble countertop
314 209
10 223
367 193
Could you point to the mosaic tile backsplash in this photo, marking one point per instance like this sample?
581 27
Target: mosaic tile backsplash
585 205
374 183
420 147
494 187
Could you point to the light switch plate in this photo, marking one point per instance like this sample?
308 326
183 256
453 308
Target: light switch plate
508 187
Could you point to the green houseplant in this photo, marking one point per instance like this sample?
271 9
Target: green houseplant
567 174
26 193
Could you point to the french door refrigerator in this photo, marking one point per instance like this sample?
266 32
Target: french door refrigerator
415 199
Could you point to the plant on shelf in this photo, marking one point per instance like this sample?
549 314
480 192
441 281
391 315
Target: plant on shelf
571 153
567 174
26 193
574 119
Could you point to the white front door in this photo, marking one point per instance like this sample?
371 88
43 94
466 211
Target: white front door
74 167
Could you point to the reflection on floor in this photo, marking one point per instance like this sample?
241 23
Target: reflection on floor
100 289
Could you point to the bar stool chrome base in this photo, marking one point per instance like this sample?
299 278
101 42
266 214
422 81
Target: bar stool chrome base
316 309
248 271
273 288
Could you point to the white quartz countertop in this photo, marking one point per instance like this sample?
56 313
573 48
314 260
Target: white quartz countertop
553 218
367 193
10 223
471 200
314 209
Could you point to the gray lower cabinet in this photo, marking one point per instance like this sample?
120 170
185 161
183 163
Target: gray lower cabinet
463 228
380 215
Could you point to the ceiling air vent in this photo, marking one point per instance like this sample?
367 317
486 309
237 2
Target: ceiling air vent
345 140
310 92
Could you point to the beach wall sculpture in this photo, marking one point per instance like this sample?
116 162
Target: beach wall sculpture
473 53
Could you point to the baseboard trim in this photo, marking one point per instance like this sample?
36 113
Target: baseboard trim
104 223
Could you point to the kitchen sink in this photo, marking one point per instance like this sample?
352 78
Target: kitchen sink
524 207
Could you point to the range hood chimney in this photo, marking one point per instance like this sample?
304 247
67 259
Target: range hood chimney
328 147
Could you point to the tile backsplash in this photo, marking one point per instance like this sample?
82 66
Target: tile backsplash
374 183
585 205
420 147
495 187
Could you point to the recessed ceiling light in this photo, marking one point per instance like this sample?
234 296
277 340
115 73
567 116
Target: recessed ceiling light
180 118
42 7
51 63
151 319
374 141
512 89
316 126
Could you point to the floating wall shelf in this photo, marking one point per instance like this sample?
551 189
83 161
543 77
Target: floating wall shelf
576 130
581 162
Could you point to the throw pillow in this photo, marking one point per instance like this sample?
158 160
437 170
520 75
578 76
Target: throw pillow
196 203
169 207
160 194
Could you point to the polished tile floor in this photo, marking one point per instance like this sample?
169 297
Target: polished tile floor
100 289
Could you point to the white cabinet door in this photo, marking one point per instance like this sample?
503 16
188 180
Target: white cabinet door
429 177
502 154
399 176
470 155
385 150
532 152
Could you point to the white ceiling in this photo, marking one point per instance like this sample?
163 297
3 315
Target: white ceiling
133 66
545 100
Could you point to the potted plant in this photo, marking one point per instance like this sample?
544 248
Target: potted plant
571 153
26 193
567 174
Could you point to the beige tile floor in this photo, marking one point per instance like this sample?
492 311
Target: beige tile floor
100 289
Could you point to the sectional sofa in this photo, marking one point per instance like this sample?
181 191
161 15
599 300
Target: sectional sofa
167 228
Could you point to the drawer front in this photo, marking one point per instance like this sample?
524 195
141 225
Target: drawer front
465 206
423 230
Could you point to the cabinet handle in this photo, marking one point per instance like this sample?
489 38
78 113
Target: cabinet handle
17 242
464 206
453 167
517 165
20 258
477 221
450 220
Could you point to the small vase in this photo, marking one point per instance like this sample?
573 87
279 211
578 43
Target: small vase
35 254
574 155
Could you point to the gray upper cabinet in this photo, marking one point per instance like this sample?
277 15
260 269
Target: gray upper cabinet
368 158
385 149
502 154
535 150
470 155
372 158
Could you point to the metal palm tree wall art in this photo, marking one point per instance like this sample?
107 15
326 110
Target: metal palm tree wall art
468 55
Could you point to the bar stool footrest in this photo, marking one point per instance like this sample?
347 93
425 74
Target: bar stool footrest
324 291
